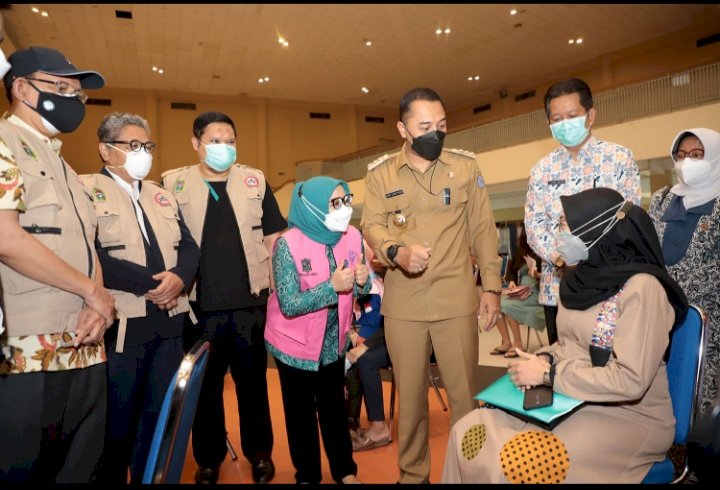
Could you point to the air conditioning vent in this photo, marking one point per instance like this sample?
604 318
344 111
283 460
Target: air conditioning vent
123 14
189 106
712 39
92 101
374 119
482 108
319 115
525 95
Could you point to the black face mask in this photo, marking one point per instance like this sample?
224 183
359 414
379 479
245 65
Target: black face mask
64 113
430 145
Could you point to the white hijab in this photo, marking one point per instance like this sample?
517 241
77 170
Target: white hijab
710 188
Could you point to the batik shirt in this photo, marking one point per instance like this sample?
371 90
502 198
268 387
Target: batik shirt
598 164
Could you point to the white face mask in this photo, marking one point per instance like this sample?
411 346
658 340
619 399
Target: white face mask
137 163
692 172
4 65
52 130
573 249
338 219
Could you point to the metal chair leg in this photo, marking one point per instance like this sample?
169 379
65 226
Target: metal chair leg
392 405
232 452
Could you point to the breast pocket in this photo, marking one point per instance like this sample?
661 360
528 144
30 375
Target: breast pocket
109 231
398 213
170 220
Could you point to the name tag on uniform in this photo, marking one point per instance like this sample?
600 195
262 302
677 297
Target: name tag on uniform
398 192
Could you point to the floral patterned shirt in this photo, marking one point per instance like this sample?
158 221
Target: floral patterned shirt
295 302
31 353
598 164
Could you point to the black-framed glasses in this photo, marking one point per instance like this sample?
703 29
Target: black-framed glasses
136 145
63 88
337 202
696 154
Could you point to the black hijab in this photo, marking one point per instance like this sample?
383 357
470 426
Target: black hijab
630 247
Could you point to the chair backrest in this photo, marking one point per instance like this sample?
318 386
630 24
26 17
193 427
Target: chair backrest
685 370
172 432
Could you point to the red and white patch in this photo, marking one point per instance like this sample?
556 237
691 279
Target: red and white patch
251 181
161 199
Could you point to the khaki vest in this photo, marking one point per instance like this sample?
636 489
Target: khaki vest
120 235
246 188
56 204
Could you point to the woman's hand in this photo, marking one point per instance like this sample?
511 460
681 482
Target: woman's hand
529 371
343 279
361 274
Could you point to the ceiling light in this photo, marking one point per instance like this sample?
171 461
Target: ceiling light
281 40
261 80
44 14
161 71
438 31
578 40
470 78
571 41
368 42
513 12
35 9
447 30
267 79
154 68
477 77
365 90
286 44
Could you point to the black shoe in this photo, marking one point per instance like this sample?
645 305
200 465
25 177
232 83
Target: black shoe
263 471
207 476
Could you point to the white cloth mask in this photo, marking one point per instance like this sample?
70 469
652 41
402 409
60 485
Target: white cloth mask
137 163
573 249
338 219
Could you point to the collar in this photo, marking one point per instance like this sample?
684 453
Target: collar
53 143
133 190
676 209
591 143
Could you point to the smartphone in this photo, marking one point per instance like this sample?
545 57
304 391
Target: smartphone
538 397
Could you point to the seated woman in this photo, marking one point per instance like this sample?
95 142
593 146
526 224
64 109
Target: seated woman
521 305
369 353
616 310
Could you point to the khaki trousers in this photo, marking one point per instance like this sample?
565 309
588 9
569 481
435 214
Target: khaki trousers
455 343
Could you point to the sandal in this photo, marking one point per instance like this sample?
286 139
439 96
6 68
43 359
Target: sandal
510 354
497 351
364 443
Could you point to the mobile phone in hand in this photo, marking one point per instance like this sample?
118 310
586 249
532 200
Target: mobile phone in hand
538 397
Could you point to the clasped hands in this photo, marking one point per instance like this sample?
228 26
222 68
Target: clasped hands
344 277
165 295
528 370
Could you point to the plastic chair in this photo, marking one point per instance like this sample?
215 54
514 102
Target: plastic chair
685 373
172 432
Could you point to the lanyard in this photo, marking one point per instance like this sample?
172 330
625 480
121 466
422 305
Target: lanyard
212 191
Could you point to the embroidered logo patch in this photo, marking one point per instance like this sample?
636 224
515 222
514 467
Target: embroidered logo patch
353 256
251 182
28 151
179 185
99 195
306 267
161 199
480 181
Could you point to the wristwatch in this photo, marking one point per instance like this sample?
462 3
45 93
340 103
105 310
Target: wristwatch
391 252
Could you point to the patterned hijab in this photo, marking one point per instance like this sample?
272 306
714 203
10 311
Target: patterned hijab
309 206
630 247
709 189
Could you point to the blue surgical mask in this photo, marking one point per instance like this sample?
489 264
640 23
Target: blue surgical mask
570 132
220 156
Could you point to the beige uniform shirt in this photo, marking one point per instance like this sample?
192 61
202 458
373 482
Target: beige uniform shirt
447 209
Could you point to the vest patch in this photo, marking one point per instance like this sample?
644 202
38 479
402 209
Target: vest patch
28 151
251 182
480 181
161 199
179 185
306 266
99 195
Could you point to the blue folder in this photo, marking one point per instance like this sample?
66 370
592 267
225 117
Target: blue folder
505 395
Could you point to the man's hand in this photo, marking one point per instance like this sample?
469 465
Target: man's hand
103 302
490 309
90 327
413 258
169 289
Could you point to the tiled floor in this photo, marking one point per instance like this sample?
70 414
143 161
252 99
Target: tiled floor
374 466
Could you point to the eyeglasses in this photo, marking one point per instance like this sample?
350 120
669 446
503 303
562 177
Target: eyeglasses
136 145
337 202
64 88
692 154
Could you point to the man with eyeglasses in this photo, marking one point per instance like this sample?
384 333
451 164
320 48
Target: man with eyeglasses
149 260
233 215
53 384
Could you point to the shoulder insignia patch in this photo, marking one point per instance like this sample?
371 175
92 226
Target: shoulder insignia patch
161 199
464 153
251 181
377 162
28 151
179 185
99 195
480 181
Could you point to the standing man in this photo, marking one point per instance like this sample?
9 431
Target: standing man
581 162
53 386
233 215
426 210
149 259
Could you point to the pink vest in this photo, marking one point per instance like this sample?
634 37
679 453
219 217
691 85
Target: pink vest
302 336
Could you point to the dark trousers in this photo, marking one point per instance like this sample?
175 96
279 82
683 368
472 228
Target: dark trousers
310 397
369 365
52 425
247 360
138 379
550 324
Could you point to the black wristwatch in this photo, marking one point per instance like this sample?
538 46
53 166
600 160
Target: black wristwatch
392 252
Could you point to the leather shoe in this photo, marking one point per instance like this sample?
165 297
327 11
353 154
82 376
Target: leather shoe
207 476
263 471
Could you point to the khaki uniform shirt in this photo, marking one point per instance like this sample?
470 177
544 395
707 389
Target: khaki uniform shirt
451 227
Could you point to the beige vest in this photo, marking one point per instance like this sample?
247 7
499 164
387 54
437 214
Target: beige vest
120 235
56 205
246 188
